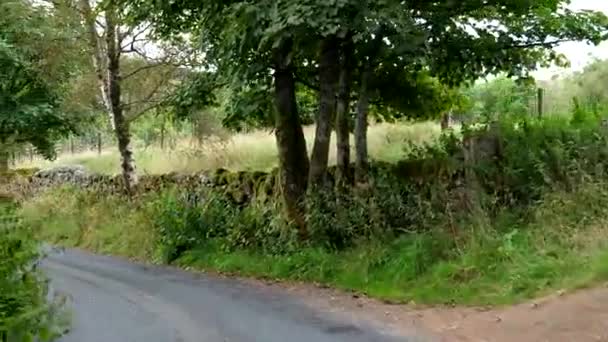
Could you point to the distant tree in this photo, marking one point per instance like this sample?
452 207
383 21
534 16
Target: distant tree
502 97
583 85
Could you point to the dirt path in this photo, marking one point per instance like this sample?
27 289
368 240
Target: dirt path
576 317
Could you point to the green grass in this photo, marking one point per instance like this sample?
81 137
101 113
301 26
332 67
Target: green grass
485 272
248 151
561 245
103 224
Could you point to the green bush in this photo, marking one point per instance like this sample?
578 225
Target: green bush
545 155
25 313
337 220
186 220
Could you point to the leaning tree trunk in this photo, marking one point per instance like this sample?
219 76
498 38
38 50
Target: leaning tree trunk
328 79
361 160
293 157
121 125
342 115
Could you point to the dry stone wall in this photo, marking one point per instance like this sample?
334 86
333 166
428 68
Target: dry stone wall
241 187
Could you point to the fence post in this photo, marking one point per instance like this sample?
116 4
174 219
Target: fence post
539 102
162 136
98 142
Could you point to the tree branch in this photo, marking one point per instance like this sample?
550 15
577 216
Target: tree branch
135 115
134 37
100 24
146 67
147 99
305 82
539 44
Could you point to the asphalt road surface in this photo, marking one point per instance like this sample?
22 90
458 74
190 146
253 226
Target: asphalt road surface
117 301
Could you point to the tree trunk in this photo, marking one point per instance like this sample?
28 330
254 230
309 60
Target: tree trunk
328 78
162 136
343 113
293 158
446 120
361 160
98 58
361 155
123 134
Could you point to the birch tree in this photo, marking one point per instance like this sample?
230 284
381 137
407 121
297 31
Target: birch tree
122 53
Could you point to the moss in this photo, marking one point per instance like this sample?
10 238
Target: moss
220 177
11 175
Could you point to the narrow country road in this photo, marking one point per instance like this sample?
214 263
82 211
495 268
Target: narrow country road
118 301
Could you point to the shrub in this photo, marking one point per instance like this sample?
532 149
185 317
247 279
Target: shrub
25 313
189 219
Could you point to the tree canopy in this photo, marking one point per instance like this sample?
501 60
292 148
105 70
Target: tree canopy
35 66
407 56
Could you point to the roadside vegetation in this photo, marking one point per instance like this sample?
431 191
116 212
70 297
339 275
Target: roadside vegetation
26 313
542 229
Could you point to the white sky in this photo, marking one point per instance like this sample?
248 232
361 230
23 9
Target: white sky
579 54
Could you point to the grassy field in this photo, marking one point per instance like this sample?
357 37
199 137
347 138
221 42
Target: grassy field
249 151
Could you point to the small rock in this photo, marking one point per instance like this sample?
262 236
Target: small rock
498 319
534 305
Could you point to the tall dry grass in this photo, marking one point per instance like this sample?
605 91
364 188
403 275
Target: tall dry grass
247 151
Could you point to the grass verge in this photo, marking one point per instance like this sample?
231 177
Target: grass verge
561 244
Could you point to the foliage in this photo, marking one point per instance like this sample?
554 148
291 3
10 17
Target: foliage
32 78
194 93
552 153
466 41
25 314
188 220
502 96
564 93
88 220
